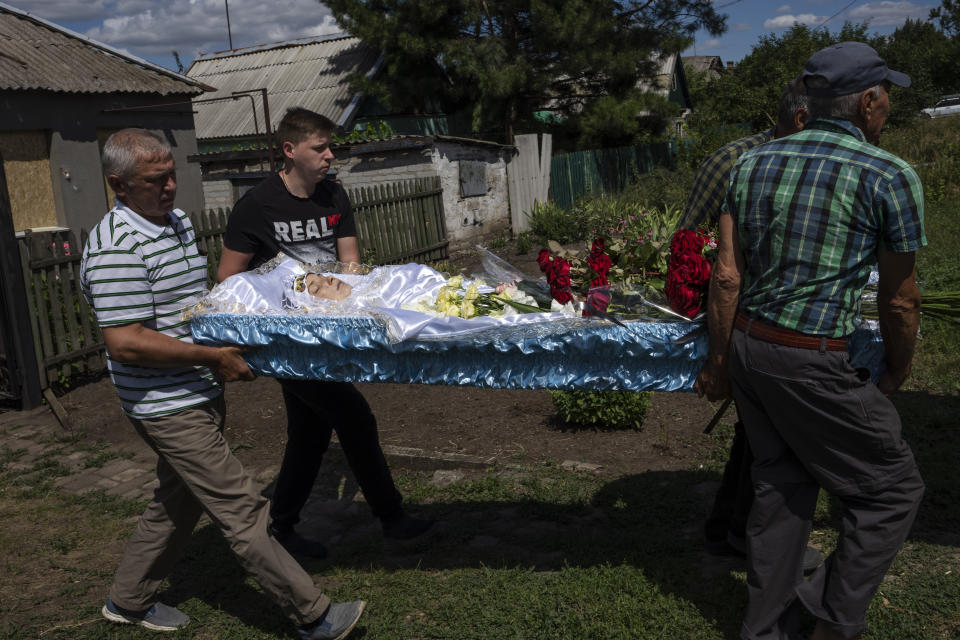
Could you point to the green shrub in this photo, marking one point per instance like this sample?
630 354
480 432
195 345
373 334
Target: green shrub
661 188
525 242
603 409
932 146
552 222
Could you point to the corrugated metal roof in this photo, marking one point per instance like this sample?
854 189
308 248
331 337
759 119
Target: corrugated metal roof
39 55
311 74
355 147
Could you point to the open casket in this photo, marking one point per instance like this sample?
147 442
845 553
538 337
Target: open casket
375 336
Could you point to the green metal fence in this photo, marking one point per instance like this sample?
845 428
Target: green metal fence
604 171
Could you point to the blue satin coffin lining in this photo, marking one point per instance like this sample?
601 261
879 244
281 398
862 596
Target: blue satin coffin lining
568 354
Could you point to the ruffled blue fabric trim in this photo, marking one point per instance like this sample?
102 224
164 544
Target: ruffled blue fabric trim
569 354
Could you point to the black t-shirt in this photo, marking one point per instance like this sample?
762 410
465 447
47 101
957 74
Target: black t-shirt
268 219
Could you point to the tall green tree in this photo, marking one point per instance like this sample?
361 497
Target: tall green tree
929 57
750 95
948 15
583 60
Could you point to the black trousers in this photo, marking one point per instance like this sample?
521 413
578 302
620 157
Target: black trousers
316 409
735 495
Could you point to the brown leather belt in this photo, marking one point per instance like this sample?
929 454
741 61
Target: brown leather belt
786 337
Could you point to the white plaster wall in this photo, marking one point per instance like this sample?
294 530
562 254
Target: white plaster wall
472 219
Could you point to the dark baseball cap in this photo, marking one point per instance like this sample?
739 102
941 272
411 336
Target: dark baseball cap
849 67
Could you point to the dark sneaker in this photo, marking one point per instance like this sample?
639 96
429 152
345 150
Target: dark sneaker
297 545
159 617
336 623
405 527
811 559
737 546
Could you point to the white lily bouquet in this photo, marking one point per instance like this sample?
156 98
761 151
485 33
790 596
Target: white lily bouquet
475 298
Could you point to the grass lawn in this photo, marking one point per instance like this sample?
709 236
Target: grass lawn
536 552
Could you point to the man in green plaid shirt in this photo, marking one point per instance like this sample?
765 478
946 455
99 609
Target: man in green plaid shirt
805 219
713 175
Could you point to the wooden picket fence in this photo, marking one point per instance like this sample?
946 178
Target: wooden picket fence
208 226
398 222
66 339
401 221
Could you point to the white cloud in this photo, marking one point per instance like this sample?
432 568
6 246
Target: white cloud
66 10
710 44
783 22
883 14
148 28
740 26
784 8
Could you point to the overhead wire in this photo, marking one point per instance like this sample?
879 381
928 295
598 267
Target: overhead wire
837 13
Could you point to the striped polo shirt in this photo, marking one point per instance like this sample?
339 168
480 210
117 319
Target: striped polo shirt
811 210
136 271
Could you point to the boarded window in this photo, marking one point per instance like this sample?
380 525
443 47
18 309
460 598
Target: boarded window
26 163
473 178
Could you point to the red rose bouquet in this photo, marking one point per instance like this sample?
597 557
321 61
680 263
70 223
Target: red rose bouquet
567 275
557 270
688 271
599 262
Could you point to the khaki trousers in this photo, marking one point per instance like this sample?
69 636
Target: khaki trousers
198 474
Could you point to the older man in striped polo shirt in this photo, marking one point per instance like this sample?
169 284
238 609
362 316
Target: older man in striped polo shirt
805 219
140 269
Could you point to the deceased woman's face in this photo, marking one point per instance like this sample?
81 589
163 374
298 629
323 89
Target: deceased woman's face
327 287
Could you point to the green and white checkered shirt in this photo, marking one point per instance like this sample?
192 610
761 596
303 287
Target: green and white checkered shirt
136 271
811 210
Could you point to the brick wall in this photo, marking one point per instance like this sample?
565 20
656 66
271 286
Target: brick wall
217 194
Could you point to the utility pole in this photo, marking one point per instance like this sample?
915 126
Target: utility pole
226 4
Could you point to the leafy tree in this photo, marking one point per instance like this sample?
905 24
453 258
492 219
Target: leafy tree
505 61
750 95
948 15
929 57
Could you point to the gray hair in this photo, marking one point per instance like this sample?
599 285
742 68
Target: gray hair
794 97
126 147
841 107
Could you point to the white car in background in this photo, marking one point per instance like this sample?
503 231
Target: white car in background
946 106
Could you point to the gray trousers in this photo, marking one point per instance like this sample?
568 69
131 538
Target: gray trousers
198 473
814 421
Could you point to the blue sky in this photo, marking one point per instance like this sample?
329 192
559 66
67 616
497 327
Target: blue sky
750 19
152 29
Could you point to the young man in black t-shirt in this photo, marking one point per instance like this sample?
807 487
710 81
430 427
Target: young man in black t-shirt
302 214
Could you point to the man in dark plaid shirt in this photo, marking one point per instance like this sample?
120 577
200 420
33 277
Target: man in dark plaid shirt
724 528
804 220
713 174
